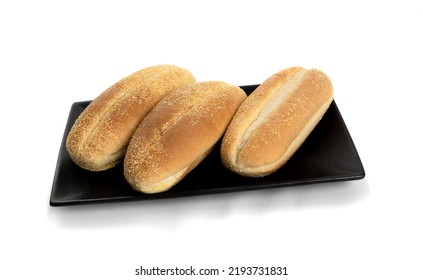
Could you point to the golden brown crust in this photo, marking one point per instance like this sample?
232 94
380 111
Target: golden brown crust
99 137
178 133
275 120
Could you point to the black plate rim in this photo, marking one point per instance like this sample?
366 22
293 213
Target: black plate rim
54 201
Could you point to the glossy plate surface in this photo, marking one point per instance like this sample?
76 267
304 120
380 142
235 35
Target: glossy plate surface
328 155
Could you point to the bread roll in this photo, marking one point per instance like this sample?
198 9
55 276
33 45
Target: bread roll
99 138
178 134
274 121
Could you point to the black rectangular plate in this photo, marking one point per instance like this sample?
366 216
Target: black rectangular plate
328 155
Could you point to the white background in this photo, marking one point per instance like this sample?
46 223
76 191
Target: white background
54 53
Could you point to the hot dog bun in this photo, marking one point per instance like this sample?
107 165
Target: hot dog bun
99 138
178 134
275 120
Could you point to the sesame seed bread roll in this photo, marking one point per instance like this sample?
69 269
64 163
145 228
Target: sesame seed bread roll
99 137
178 134
274 121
